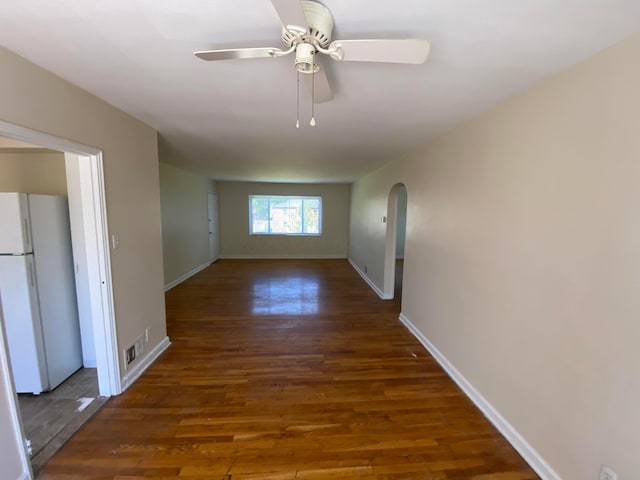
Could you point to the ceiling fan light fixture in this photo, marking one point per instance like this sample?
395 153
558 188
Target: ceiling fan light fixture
307 27
304 62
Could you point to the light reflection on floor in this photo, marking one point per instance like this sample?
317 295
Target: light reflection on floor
286 296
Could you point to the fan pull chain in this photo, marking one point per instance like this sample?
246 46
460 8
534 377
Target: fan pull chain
313 86
298 102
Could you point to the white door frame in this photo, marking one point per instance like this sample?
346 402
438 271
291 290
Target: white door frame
97 248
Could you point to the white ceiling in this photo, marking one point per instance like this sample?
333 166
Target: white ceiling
236 119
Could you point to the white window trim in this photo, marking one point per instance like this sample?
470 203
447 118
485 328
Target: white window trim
287 197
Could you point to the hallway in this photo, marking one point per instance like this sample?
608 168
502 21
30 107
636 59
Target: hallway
283 369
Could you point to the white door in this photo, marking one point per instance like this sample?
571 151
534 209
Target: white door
212 205
80 263
56 286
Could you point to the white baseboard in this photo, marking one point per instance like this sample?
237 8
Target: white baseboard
531 456
184 277
134 373
375 288
283 257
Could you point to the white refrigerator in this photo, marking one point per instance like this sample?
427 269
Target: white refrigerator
38 291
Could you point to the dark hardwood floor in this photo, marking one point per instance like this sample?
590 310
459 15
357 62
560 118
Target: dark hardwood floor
288 369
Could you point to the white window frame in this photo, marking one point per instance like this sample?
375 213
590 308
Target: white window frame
281 198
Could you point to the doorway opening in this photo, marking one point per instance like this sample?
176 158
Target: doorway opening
83 170
212 212
395 241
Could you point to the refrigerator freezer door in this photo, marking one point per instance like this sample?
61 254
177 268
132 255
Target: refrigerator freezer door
56 286
22 323
15 235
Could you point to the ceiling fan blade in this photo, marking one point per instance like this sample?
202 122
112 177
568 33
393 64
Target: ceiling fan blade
319 84
390 51
233 53
291 14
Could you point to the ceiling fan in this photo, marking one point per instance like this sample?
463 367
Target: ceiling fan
306 31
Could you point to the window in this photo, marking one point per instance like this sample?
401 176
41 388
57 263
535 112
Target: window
279 215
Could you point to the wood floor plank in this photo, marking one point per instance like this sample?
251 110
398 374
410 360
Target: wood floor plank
288 369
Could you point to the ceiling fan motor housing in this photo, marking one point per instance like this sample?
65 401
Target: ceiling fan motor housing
320 23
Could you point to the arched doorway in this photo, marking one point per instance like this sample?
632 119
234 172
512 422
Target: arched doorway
395 240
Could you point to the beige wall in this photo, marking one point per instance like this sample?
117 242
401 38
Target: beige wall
523 259
235 241
27 172
36 99
184 221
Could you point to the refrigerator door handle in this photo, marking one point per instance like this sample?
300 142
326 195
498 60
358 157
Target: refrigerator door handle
27 236
32 277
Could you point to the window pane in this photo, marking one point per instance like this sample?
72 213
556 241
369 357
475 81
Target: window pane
260 215
311 216
295 215
279 215
312 202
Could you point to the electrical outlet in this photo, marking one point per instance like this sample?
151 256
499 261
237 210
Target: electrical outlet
607 474
139 346
146 334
